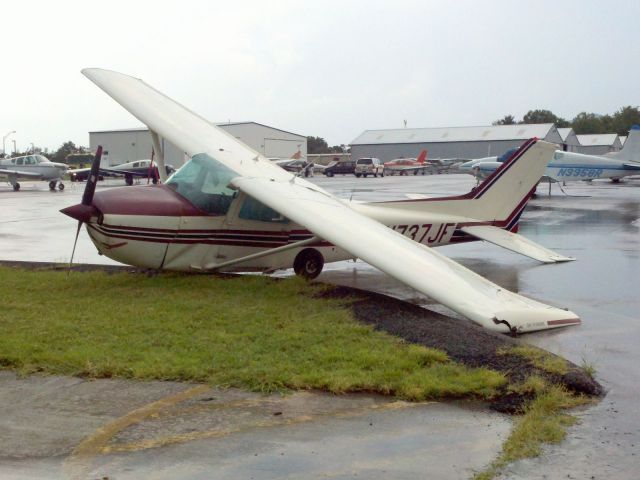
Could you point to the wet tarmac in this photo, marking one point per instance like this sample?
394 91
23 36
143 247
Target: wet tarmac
598 223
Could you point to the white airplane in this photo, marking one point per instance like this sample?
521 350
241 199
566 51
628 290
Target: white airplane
33 167
230 209
571 166
137 168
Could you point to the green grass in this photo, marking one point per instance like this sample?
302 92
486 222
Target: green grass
250 332
544 422
539 358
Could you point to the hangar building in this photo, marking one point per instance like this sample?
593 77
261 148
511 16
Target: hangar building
451 142
570 141
122 146
599 143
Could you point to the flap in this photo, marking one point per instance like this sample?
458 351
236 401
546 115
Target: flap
515 243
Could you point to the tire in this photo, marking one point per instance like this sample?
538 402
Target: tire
61 186
357 175
329 174
364 175
308 263
52 185
375 175
128 179
16 187
382 174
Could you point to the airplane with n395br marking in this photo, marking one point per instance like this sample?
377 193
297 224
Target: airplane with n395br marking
230 209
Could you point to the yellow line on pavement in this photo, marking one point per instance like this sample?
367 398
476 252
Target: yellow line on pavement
81 458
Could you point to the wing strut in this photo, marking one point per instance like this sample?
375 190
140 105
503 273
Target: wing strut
157 148
264 253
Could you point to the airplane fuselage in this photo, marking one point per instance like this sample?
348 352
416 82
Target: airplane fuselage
32 167
177 236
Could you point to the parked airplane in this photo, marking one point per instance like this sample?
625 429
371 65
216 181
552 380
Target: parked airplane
404 166
137 168
231 209
33 167
571 166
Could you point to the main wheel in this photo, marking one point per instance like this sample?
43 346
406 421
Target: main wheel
16 187
61 186
358 175
128 179
308 263
52 185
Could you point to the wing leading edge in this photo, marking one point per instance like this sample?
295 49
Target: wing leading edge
414 264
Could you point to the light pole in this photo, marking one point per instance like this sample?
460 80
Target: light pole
4 140
14 147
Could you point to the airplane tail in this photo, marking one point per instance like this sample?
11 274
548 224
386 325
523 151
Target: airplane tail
500 198
422 157
631 148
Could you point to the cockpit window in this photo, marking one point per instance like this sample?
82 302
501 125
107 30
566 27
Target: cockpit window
204 182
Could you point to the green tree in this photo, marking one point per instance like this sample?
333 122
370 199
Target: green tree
624 119
591 123
506 120
544 116
317 145
67 148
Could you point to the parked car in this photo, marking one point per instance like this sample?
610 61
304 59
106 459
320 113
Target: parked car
343 168
369 166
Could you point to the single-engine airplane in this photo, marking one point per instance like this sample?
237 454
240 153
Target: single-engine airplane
129 170
404 166
33 167
230 209
572 166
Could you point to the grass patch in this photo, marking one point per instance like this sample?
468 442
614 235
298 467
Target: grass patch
544 421
539 358
249 331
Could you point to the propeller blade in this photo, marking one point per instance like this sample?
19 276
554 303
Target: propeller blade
90 189
74 245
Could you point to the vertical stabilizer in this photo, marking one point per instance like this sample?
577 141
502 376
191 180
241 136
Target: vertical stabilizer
631 148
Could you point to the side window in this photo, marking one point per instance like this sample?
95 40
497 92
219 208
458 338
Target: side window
19 161
135 165
254 210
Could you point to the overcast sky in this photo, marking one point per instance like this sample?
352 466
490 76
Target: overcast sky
323 68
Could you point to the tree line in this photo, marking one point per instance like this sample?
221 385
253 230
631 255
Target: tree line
619 122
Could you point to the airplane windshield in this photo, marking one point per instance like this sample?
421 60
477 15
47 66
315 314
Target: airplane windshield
204 182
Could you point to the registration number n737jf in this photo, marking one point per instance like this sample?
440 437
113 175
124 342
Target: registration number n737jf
427 233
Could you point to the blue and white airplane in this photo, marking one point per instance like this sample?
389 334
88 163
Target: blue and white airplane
571 166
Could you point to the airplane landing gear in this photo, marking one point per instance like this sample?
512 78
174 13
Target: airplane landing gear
308 263
52 185
16 187
61 186
128 179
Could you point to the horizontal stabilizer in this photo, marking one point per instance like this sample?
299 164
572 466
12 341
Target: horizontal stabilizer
515 243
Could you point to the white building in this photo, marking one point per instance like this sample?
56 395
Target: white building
599 143
450 142
121 146
570 141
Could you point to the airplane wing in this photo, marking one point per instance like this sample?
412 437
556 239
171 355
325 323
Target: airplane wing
329 218
19 173
515 243
110 172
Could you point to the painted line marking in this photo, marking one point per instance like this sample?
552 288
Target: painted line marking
79 461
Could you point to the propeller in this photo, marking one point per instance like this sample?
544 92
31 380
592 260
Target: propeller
83 211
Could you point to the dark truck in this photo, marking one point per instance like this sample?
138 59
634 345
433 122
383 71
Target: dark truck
347 167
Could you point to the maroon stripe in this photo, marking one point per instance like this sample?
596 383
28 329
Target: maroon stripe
568 321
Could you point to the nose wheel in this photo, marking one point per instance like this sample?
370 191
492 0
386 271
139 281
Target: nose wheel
308 263
52 185
16 187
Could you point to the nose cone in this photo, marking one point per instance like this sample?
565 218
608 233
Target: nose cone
81 212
